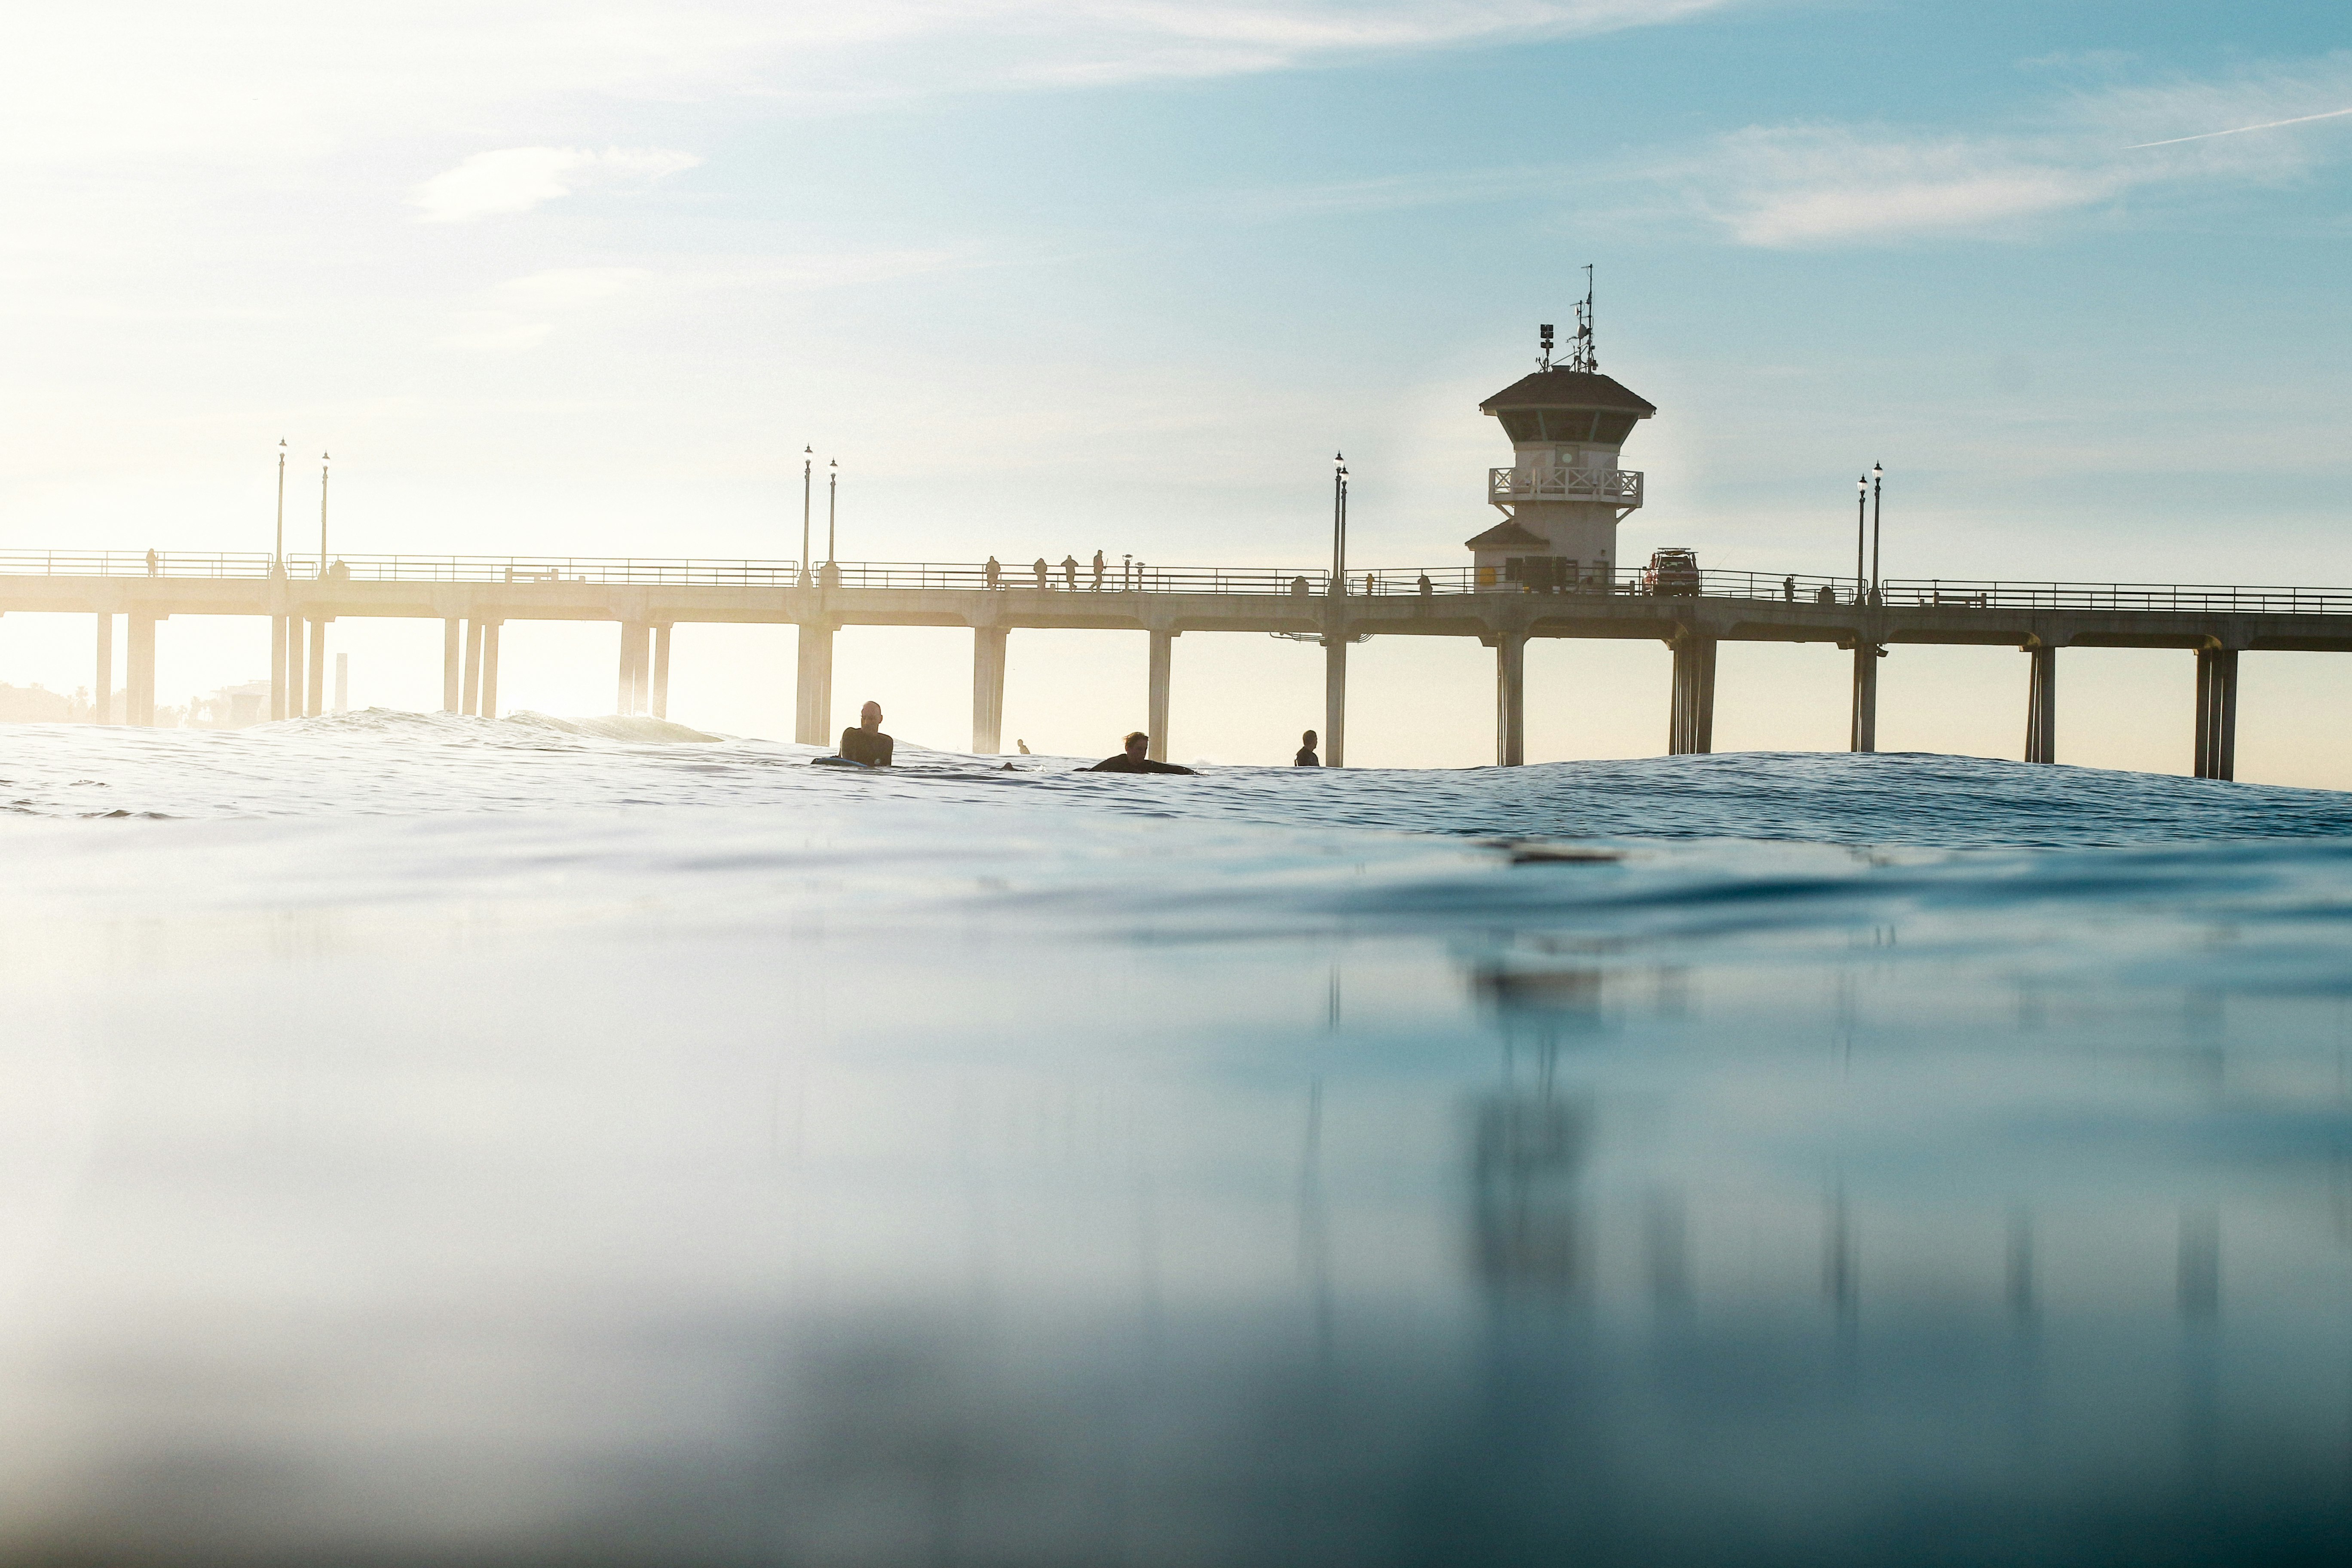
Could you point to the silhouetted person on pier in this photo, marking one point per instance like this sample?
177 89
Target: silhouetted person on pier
1423 585
1070 573
995 572
1133 761
1040 569
1789 590
1299 587
1307 757
1098 571
151 571
864 742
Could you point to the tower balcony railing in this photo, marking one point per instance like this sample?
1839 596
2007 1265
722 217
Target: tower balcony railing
1620 487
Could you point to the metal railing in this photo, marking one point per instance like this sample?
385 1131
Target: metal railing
1622 486
1766 587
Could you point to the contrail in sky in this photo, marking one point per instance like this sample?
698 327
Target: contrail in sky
2240 130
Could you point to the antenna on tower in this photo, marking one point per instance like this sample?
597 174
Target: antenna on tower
1543 360
1580 355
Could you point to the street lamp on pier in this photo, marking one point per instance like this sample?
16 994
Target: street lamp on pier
1861 525
278 556
1877 581
322 514
808 468
832 515
1339 523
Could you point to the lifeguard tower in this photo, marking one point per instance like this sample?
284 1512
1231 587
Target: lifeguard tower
1563 495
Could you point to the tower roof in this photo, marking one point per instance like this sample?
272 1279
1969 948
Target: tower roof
1568 389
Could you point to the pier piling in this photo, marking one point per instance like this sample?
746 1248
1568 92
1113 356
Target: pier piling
469 697
1863 736
139 680
988 648
1690 727
101 707
1510 699
1156 707
661 670
452 692
813 685
2217 713
2041 705
490 668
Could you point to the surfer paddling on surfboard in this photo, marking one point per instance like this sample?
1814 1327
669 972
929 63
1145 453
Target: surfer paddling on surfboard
1133 761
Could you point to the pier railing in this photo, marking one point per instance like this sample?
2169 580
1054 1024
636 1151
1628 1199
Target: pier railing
1135 576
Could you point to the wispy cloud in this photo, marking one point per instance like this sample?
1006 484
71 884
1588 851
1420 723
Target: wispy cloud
1788 186
517 179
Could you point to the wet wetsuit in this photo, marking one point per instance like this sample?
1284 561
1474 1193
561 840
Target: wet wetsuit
860 745
1123 764
1305 758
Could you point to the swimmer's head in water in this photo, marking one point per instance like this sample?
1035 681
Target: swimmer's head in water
870 715
1309 737
1135 743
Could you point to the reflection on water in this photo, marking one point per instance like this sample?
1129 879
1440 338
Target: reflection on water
651 1197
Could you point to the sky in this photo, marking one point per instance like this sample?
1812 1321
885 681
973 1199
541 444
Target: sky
1045 278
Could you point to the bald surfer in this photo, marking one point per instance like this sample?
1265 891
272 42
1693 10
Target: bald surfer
864 742
1307 757
1133 761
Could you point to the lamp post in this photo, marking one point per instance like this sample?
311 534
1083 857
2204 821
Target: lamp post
1339 522
808 467
322 514
1860 522
278 556
1877 582
832 515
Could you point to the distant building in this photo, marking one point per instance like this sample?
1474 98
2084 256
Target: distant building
230 707
1563 495
38 705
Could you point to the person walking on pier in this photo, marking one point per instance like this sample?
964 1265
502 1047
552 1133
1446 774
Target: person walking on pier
1132 761
1307 757
1098 571
995 572
864 742
1788 590
1040 569
1070 573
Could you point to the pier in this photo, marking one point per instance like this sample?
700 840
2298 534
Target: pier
474 596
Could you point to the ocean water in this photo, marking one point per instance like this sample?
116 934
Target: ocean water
437 1141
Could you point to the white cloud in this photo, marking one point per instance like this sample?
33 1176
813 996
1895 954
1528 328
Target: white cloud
517 179
1813 186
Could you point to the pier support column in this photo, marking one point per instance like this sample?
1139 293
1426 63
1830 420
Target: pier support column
314 702
812 693
988 688
2217 713
1863 735
2041 706
452 674
1155 716
490 669
1335 699
661 670
278 667
469 696
1510 699
139 678
101 705
1690 727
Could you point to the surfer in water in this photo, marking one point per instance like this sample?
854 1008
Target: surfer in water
1133 761
864 742
1307 757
